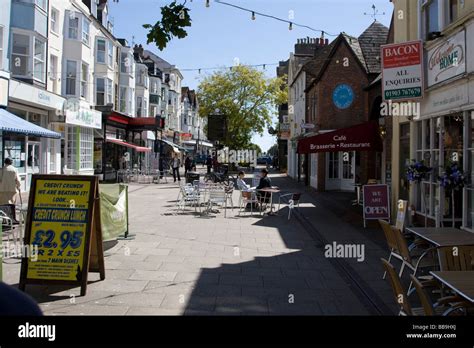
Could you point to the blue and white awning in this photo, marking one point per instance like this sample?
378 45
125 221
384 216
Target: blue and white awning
14 124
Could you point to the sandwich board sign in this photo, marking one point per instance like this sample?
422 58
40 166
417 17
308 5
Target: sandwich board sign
401 214
63 223
402 71
376 202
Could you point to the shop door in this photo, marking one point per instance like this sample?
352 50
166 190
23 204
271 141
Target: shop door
340 171
33 161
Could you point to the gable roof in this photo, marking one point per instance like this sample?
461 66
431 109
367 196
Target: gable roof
370 41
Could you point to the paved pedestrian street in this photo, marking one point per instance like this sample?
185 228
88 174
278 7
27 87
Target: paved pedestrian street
240 265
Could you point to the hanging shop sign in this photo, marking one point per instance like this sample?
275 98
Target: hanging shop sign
448 59
84 117
402 71
376 202
63 222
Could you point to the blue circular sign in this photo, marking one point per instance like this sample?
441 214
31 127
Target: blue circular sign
343 96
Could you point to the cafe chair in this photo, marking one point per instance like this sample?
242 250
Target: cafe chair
410 261
459 258
445 306
294 201
246 198
263 199
391 240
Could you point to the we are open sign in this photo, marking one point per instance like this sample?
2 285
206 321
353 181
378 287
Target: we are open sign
376 202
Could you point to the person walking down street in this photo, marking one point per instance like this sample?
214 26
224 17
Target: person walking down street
9 182
176 163
187 165
209 163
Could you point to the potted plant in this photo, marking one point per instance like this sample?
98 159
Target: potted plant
417 171
453 179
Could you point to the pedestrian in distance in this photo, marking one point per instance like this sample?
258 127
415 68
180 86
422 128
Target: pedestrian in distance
175 164
209 163
9 183
187 165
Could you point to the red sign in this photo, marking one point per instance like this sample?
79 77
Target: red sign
362 137
399 55
376 202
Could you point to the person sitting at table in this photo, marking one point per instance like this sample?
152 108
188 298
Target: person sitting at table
241 184
265 182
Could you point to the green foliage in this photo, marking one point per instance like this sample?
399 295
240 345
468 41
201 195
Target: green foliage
254 147
273 151
174 18
246 97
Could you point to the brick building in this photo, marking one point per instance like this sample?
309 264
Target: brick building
345 92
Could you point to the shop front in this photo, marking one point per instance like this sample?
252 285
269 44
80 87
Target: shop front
443 137
342 158
32 152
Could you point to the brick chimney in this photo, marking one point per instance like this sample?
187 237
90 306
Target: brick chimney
308 45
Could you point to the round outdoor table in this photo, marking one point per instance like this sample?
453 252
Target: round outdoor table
270 190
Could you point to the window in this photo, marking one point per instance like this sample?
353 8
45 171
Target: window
453 10
110 95
41 4
84 80
73 28
20 55
80 148
131 93
124 63
53 71
123 100
430 16
39 60
139 106
470 172
110 53
53 149
100 93
1 47
71 77
145 107
53 20
101 43
85 30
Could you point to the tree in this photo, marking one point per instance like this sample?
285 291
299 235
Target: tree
174 19
273 151
246 97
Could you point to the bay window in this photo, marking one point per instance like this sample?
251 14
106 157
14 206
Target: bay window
1 47
84 80
39 59
110 51
71 77
139 106
101 48
110 96
124 63
123 100
73 26
145 107
85 30
80 148
100 91
20 54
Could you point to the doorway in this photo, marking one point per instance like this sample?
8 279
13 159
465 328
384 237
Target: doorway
340 171
33 160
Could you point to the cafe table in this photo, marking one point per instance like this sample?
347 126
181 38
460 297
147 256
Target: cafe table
443 236
270 190
461 282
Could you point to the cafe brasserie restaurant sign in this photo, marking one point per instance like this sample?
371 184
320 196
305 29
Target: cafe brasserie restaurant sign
447 60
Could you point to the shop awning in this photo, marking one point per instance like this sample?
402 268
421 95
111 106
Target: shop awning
174 146
129 145
14 124
362 137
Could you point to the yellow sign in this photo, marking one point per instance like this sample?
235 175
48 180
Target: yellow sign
59 221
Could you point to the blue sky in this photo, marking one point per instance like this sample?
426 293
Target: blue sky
219 33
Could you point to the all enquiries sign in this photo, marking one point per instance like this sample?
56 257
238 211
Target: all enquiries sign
402 71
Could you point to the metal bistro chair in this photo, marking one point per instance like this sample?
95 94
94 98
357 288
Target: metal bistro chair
188 196
247 197
217 195
294 201
9 222
263 198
